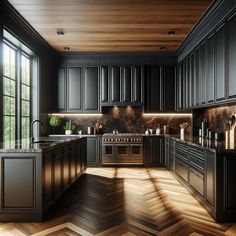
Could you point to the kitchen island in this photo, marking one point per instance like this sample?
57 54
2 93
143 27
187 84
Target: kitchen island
34 176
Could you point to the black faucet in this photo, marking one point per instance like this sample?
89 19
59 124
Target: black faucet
32 129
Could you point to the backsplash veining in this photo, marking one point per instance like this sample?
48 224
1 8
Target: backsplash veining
125 120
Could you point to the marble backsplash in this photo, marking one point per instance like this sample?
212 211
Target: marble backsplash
216 118
126 120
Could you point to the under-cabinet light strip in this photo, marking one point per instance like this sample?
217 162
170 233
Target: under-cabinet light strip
74 114
167 114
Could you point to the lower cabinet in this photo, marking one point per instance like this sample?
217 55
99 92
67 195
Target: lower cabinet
209 175
154 151
94 151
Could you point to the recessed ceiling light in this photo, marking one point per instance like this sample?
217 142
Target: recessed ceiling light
66 48
171 32
163 48
60 32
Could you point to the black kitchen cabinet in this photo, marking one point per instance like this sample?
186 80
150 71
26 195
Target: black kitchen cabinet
74 89
93 151
220 63
159 84
61 89
184 85
137 85
232 57
181 168
210 74
187 80
127 84
168 83
179 87
116 84
78 89
202 74
91 89
153 89
191 81
105 85
154 151
210 177
196 89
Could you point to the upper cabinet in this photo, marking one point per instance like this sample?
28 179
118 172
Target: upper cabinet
160 89
122 85
78 89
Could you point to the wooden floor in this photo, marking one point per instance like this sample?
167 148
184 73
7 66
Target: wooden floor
124 201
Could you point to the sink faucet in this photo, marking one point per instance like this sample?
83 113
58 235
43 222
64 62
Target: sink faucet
32 129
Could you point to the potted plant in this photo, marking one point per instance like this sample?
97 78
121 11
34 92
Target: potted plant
69 127
54 121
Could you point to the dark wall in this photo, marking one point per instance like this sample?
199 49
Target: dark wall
11 20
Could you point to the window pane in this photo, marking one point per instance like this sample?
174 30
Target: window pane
8 105
25 108
25 127
9 61
25 92
8 128
9 87
25 70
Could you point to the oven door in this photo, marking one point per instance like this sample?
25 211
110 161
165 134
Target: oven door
136 153
108 152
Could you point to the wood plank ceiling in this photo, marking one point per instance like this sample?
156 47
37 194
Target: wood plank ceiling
111 25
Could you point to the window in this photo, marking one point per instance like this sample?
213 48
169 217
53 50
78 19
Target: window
16 93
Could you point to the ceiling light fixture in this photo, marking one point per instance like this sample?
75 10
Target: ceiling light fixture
171 32
167 114
66 48
163 48
60 32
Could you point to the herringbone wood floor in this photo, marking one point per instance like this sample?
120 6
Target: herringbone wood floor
124 201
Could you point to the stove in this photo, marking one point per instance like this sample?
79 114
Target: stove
123 148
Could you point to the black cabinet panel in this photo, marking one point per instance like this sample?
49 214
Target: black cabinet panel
184 85
220 63
191 81
196 180
74 89
104 84
137 94
91 88
168 84
180 87
116 84
18 182
196 79
210 178
232 57
153 151
61 89
93 151
127 83
202 73
181 169
210 70
57 189
187 80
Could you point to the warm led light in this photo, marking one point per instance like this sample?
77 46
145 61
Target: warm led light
75 114
167 114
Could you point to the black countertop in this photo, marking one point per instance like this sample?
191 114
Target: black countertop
207 144
40 145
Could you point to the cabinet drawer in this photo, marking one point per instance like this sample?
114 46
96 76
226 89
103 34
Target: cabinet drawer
181 147
197 152
181 169
172 162
196 180
197 162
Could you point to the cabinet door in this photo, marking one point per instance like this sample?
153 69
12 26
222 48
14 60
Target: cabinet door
168 83
210 70
220 63
93 151
179 87
232 57
187 80
61 89
153 89
115 84
196 78
184 85
127 84
104 85
191 81
137 90
202 75
153 151
91 89
74 89
58 174
210 177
